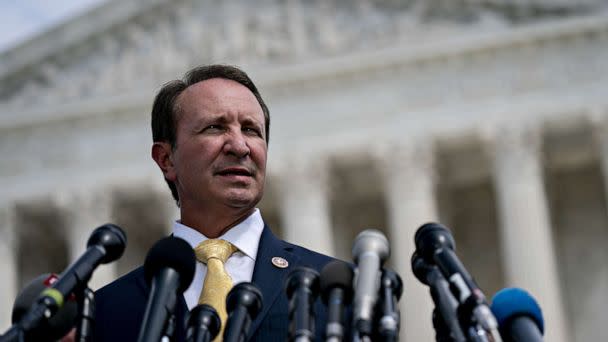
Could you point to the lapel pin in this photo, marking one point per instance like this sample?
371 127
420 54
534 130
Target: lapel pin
280 262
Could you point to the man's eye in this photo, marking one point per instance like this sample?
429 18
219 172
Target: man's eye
212 128
252 130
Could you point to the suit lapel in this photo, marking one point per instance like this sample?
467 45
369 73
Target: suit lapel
268 277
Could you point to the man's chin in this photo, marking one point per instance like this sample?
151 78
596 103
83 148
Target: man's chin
242 201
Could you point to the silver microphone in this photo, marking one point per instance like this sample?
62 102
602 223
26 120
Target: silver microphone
370 250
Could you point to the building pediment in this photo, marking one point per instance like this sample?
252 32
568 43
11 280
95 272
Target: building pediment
126 46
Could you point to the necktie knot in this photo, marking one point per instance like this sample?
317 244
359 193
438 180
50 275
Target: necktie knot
214 249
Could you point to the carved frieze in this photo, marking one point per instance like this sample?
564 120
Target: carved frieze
163 41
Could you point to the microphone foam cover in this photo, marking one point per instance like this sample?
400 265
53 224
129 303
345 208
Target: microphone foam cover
432 236
336 274
113 240
513 302
174 253
58 325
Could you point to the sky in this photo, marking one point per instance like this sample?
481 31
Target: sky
22 19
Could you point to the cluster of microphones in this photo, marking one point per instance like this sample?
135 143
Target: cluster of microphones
361 298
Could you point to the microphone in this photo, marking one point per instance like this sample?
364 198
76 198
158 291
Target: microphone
519 316
169 269
336 284
391 288
370 250
203 324
302 290
58 325
244 302
435 245
106 244
445 320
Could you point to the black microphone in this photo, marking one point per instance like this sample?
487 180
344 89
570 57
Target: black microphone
203 324
106 244
58 325
370 250
302 290
435 244
336 284
169 269
445 319
391 288
243 303
519 316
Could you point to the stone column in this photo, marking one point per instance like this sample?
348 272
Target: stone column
525 228
304 203
599 121
409 186
8 266
83 212
169 211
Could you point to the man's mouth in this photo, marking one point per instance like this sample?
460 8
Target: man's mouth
235 171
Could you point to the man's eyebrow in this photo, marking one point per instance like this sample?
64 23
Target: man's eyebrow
219 118
250 120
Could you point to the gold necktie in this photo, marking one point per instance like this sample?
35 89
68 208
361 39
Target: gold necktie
217 283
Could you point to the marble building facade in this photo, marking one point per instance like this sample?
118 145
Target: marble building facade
490 116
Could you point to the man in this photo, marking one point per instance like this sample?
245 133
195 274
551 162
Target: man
210 135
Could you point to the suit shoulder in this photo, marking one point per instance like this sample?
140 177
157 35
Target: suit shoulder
119 308
131 279
309 257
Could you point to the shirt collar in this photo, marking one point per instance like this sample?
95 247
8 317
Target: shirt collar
245 235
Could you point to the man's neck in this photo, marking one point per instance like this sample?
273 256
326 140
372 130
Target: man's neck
213 223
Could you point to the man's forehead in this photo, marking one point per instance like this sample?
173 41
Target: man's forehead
213 91
218 87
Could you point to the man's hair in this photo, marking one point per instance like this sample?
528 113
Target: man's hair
165 112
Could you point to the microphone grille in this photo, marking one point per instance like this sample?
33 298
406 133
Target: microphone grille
371 240
174 253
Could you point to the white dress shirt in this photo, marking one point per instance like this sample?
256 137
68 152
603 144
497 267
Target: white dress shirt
245 236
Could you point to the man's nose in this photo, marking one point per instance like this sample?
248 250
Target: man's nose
236 144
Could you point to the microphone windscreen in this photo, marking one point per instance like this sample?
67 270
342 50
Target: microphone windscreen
432 236
336 274
58 325
174 253
511 303
113 240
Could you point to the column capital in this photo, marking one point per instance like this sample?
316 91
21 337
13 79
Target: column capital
521 141
401 159
304 166
87 206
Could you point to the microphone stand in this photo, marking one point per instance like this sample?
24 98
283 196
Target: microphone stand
86 315
445 303
391 288
169 329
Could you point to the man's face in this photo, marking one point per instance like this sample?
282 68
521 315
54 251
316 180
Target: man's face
219 156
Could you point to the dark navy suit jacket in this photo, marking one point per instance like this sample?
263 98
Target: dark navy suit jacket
120 305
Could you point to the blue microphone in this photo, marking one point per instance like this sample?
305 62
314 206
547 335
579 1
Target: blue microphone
519 316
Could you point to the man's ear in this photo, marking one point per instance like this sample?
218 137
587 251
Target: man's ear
162 153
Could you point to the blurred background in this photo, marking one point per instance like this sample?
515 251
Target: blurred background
489 116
